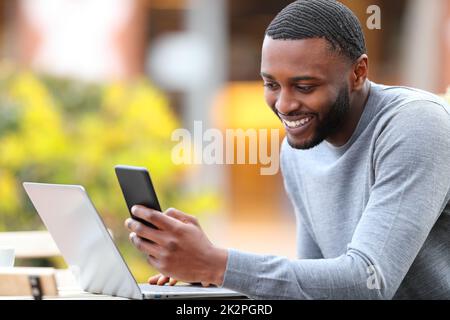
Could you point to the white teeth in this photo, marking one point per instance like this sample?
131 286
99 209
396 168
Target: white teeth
296 124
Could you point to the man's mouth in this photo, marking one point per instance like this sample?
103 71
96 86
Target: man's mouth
293 124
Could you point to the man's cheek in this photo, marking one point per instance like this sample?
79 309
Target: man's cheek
274 110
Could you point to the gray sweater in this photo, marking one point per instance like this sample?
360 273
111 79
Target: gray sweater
373 216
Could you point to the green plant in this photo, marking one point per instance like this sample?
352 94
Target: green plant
66 131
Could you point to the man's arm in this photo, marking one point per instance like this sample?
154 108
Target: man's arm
412 180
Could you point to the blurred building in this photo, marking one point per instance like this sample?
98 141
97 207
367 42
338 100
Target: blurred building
115 39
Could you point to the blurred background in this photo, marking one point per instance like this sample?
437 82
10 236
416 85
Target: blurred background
87 84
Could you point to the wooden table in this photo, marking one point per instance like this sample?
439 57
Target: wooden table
68 290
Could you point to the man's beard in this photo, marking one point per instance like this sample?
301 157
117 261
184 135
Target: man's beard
329 125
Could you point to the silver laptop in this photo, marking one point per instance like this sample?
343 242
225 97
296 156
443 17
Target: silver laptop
89 251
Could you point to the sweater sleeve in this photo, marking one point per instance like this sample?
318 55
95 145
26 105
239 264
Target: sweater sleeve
307 248
412 179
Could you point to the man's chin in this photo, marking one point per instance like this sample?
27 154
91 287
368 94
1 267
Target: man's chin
302 143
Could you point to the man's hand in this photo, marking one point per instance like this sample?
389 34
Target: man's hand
179 248
161 280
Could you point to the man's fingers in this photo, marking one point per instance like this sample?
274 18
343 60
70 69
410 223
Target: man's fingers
181 216
154 279
162 280
206 284
153 261
158 219
143 231
145 246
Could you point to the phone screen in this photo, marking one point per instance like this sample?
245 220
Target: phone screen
137 189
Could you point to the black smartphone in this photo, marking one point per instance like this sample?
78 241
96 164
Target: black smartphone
137 189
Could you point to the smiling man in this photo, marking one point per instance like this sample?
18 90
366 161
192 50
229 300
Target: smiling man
366 167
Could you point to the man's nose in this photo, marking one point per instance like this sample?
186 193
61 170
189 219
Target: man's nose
286 103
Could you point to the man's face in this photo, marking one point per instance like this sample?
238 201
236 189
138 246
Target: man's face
306 86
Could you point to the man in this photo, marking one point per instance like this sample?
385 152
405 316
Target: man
366 167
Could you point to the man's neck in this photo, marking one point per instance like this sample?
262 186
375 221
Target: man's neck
357 104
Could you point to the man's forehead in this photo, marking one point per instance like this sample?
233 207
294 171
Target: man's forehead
307 55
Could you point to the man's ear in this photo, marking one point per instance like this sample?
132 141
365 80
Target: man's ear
359 72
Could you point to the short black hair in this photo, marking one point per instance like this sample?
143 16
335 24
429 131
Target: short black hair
328 19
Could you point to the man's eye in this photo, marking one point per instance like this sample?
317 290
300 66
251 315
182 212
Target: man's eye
270 85
305 89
